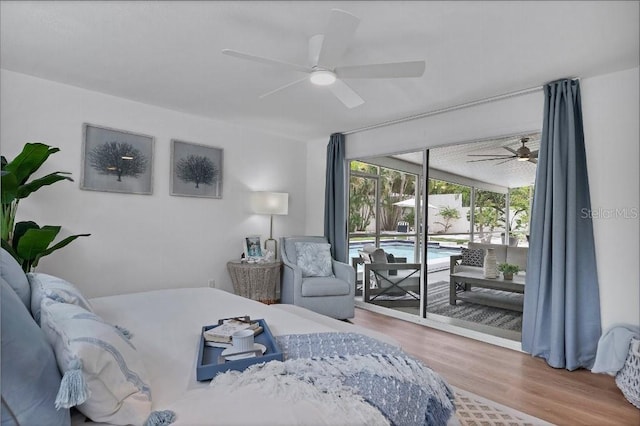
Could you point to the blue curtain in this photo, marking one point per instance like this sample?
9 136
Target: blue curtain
335 212
561 320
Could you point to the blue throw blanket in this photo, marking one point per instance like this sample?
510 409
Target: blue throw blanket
613 348
401 387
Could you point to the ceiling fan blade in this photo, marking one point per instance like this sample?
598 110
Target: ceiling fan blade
268 61
513 151
391 70
337 37
345 94
283 87
502 162
534 154
486 159
490 155
315 46
533 160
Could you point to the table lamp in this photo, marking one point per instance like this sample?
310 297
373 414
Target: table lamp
270 203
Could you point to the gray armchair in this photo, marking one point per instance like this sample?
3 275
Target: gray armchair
328 295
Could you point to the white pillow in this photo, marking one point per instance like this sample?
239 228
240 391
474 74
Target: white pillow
48 286
115 376
314 259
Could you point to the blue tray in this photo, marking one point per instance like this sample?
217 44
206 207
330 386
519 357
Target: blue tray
208 365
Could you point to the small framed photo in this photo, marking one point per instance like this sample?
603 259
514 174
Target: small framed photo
196 170
116 161
252 247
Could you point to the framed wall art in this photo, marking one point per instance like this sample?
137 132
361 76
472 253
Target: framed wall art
196 170
116 161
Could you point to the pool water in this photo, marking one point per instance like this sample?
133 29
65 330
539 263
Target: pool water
405 250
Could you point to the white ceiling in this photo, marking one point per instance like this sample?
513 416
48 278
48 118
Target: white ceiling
168 53
508 173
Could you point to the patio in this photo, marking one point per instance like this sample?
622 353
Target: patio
503 323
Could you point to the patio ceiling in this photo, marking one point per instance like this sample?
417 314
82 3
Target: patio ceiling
455 159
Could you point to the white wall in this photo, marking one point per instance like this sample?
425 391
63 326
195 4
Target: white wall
610 110
142 242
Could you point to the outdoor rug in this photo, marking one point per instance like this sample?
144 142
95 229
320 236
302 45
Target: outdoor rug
474 410
438 303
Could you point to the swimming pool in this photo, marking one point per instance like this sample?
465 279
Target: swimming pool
404 249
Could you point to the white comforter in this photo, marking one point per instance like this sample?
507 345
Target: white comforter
166 326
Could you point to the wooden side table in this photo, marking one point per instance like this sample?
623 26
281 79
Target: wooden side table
257 281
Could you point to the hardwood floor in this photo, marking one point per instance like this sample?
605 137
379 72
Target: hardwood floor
512 378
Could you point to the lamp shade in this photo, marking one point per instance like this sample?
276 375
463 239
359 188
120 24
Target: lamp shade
270 202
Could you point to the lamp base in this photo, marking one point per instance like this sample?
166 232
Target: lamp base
271 245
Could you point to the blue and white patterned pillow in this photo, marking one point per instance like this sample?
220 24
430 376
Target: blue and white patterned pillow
47 286
115 376
472 257
314 259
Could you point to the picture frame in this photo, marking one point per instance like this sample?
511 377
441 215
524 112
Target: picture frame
196 170
252 247
115 160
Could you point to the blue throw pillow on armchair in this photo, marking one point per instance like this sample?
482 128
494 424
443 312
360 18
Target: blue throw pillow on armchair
314 259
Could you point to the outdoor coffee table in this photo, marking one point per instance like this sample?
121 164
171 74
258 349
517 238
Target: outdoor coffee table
467 280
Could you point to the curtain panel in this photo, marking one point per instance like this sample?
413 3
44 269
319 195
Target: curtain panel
561 320
335 211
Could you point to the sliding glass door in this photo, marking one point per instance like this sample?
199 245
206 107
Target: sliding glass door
384 213
475 193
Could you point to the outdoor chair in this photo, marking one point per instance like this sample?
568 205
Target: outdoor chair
389 283
402 227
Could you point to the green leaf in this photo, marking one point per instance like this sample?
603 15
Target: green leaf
26 241
33 155
9 187
25 190
61 244
20 229
35 241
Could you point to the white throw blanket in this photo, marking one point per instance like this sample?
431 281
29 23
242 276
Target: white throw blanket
310 384
328 379
322 380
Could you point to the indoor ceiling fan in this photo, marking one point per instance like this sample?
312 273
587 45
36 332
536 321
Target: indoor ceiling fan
521 154
324 54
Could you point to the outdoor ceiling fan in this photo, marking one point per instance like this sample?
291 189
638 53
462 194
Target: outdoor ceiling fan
325 52
521 154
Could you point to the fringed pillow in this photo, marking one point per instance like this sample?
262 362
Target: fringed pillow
48 286
103 374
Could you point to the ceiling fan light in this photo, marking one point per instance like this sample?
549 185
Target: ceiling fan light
523 153
322 77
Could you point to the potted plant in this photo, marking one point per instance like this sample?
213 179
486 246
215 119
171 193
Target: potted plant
508 270
26 241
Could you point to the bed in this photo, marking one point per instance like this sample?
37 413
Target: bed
334 372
